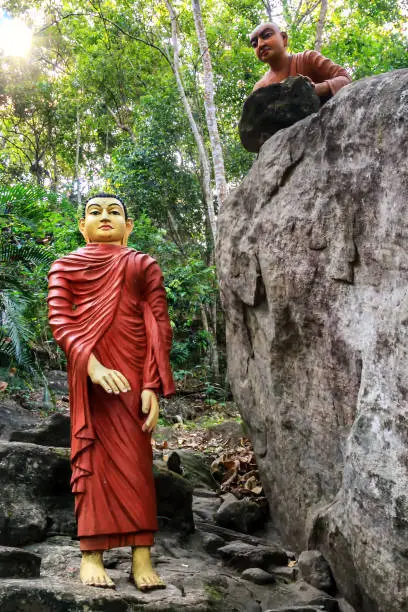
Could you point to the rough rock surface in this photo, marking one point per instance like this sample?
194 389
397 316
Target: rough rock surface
18 563
52 431
36 499
35 481
316 571
313 269
35 493
174 496
13 417
241 514
195 583
57 381
258 576
244 556
270 109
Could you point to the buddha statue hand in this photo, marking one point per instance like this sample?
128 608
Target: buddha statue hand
111 381
150 406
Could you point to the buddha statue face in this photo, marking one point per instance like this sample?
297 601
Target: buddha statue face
105 221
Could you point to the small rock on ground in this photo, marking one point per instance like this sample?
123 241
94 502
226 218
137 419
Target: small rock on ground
243 556
18 563
242 515
257 575
212 542
316 571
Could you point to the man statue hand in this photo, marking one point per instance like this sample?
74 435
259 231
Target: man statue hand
150 406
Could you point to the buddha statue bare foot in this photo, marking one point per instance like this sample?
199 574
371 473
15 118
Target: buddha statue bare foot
92 571
142 573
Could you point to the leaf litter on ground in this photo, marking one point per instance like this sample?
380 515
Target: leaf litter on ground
233 466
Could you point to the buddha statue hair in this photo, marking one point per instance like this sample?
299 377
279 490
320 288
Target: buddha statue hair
105 195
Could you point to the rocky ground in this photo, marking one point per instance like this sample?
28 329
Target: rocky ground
216 549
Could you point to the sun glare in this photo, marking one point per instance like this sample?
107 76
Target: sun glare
15 37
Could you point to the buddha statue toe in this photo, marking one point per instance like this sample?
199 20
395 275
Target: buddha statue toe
92 571
142 574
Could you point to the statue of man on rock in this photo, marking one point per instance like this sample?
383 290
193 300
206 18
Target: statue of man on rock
294 87
270 46
108 313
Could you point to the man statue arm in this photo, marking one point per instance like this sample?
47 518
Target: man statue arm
328 78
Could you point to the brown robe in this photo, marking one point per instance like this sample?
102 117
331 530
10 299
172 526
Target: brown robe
315 66
110 301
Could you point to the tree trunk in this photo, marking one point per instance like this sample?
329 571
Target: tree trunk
202 154
268 9
78 146
209 105
213 348
122 126
320 25
174 231
214 351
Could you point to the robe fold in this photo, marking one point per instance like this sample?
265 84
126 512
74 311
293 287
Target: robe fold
110 301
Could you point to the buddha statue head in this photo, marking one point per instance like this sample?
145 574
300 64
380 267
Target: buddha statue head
105 220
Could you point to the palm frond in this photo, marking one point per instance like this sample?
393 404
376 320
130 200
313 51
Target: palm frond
10 281
24 254
16 333
26 201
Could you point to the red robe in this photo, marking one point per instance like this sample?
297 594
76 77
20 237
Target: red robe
315 66
320 69
110 301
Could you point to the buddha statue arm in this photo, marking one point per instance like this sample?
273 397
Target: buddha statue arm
113 381
150 406
155 298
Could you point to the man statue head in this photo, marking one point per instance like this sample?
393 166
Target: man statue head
105 220
269 43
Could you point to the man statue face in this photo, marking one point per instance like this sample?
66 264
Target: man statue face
105 222
268 41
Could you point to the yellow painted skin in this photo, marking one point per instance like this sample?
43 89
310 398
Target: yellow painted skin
93 573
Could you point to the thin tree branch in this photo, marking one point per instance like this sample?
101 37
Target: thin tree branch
268 9
110 22
122 126
308 12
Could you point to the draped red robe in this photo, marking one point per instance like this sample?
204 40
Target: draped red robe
110 301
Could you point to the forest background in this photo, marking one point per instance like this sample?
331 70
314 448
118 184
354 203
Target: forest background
143 99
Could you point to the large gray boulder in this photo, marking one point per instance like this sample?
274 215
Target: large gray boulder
54 430
35 493
312 260
36 499
13 417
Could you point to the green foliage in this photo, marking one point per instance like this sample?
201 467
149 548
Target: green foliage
32 224
96 107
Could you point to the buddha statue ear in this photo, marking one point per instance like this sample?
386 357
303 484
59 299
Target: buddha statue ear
128 231
81 225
